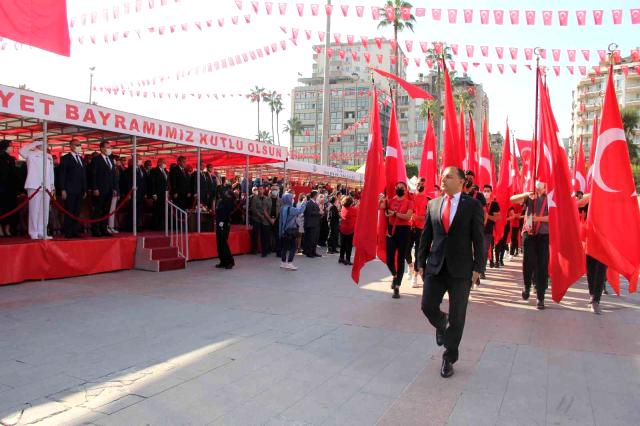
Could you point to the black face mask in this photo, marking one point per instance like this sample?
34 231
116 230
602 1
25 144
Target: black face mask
399 192
421 189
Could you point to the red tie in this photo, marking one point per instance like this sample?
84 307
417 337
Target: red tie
446 213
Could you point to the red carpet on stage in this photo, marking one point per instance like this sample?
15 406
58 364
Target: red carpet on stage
25 259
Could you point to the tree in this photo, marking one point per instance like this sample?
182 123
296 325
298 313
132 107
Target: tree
278 108
255 95
399 24
271 98
631 125
293 127
412 170
264 136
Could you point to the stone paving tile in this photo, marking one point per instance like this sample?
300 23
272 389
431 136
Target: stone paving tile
361 409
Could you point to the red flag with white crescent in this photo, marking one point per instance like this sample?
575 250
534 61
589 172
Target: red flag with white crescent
429 162
579 171
485 170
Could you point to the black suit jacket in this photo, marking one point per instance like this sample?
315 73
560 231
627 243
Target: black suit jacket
461 248
312 215
72 175
102 177
159 182
126 182
179 182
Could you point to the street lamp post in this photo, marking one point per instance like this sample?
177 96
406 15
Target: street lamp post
91 70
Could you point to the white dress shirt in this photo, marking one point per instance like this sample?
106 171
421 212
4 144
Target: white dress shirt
454 206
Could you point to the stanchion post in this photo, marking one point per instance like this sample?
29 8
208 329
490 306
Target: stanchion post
199 161
45 158
134 176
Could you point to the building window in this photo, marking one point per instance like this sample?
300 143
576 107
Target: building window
349 114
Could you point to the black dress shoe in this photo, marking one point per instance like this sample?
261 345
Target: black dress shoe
540 305
340 260
229 266
525 294
483 276
502 263
447 369
440 331
348 263
220 266
491 265
396 292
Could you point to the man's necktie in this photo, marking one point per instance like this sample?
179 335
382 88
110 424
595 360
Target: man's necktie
446 213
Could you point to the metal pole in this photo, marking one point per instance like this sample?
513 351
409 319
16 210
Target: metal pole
248 181
166 213
326 99
198 189
135 186
91 69
285 180
535 128
45 158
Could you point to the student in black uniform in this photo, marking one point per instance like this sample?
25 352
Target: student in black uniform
224 209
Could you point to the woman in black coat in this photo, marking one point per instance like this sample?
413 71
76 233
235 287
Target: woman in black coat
8 189
224 210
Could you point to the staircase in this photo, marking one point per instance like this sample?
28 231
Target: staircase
156 254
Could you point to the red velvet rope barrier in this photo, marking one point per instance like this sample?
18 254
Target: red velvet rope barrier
18 208
83 220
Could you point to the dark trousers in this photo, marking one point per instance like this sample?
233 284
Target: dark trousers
458 288
288 247
311 240
332 239
501 246
346 245
72 204
158 213
397 245
222 242
536 262
514 241
276 243
323 232
265 239
414 241
255 234
129 219
101 205
488 249
596 274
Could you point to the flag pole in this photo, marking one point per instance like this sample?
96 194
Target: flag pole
535 128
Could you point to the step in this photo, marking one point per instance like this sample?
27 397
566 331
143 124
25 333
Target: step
161 253
171 264
156 242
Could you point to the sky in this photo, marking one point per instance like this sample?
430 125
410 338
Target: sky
510 95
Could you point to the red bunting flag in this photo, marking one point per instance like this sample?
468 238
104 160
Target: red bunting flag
484 17
547 15
613 221
581 17
498 16
635 16
468 16
563 17
514 15
436 14
453 15
597 17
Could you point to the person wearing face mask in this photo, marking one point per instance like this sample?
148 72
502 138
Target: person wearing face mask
9 188
224 210
535 240
34 156
399 211
420 201
159 185
274 205
73 187
471 189
312 215
103 184
333 220
254 219
492 215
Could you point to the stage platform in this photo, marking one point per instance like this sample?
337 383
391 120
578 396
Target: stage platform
23 259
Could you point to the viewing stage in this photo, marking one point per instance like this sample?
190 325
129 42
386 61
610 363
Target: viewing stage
25 259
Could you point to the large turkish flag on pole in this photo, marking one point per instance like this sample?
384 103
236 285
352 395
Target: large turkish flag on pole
485 167
451 149
566 254
579 170
428 162
613 221
472 152
504 189
365 238
38 23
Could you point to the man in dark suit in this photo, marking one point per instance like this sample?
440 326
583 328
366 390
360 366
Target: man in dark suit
206 187
180 184
312 217
103 185
450 257
126 183
73 187
159 185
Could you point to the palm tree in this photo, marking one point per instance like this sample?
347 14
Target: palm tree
254 95
293 127
271 99
399 24
631 125
264 136
278 108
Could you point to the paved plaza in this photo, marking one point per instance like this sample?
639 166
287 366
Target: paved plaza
257 345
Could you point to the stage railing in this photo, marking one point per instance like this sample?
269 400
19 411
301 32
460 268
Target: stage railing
176 227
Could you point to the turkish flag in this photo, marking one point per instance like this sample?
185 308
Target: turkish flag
579 170
485 173
38 23
524 147
613 221
592 153
429 162
504 188
395 170
567 261
472 153
451 151
516 185
365 238
462 135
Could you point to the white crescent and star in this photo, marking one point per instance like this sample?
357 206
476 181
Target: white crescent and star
484 162
606 138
